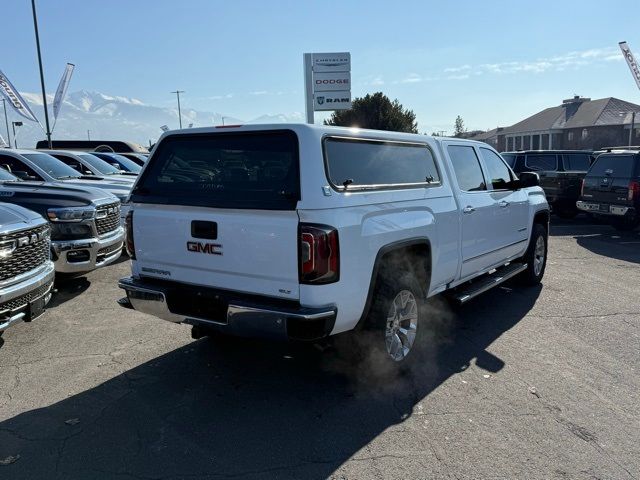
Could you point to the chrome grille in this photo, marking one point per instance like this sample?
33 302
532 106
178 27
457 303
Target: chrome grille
107 218
23 300
26 257
107 251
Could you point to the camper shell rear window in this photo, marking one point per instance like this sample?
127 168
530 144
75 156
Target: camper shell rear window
252 170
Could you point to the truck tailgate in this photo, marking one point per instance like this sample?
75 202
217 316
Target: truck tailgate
251 251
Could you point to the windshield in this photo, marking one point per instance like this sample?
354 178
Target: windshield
7 177
52 165
100 165
128 165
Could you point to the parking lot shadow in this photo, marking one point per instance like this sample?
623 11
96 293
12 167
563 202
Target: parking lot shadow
619 245
248 409
68 288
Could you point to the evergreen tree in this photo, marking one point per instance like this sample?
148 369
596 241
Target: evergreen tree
459 129
377 112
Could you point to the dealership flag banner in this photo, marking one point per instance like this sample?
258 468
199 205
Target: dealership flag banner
62 89
631 61
15 99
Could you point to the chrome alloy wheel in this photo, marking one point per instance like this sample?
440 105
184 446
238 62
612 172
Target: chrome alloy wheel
402 325
538 256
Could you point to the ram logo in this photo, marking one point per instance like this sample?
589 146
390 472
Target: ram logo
208 248
7 248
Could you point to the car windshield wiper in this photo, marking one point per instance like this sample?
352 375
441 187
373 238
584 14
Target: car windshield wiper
66 177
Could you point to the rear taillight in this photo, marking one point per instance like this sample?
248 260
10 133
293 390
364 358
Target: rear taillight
319 254
128 241
634 191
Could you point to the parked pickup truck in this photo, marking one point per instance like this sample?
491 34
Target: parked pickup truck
611 189
85 222
561 173
300 232
26 273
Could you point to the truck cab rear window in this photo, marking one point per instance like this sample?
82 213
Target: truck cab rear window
366 164
614 166
232 170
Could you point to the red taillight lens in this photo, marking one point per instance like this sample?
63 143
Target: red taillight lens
128 241
634 191
319 254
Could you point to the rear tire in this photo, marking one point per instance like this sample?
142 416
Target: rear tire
535 257
396 324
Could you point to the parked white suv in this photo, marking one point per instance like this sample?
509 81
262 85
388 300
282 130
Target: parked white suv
301 232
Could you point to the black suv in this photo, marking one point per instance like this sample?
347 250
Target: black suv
561 173
611 189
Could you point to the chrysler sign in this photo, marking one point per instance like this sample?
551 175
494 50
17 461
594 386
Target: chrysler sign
331 62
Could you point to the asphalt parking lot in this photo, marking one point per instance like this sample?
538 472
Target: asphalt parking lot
523 383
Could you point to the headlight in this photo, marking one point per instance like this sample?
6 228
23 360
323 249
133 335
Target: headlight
71 214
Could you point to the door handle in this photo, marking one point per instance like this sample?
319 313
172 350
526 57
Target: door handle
468 209
503 204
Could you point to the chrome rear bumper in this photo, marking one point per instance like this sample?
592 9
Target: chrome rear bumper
241 318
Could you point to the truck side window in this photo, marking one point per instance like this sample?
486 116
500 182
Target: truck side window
467 168
378 164
499 173
576 162
542 162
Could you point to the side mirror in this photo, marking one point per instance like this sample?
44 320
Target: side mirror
115 165
529 179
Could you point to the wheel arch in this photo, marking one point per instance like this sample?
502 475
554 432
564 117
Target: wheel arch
542 217
401 251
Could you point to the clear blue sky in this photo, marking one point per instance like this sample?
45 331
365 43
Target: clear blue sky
491 62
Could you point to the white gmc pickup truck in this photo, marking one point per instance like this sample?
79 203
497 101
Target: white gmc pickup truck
301 232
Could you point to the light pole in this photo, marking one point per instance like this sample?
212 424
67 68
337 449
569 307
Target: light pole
6 120
633 121
44 94
88 134
178 92
223 121
15 136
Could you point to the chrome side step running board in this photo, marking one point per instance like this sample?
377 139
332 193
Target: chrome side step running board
488 282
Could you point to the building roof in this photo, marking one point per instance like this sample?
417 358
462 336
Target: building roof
482 136
578 112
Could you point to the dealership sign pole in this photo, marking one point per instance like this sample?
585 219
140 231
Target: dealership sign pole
635 71
327 79
633 65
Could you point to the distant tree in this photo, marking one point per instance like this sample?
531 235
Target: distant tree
378 112
458 129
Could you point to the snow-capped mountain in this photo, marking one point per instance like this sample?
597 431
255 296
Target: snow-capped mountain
115 117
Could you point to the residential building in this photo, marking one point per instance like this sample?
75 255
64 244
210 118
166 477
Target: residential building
578 124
